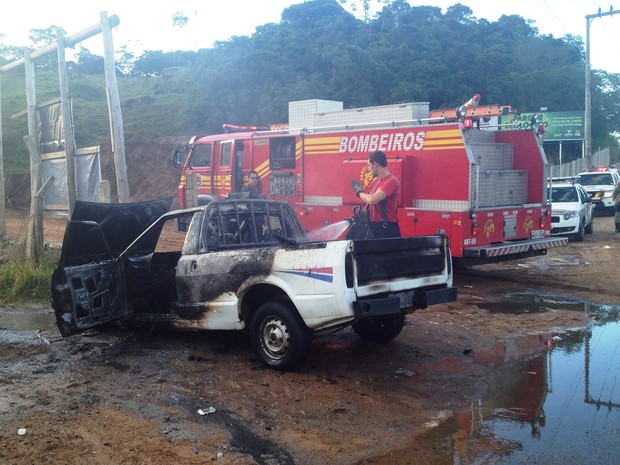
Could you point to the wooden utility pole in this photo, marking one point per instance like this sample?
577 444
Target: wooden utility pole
34 241
114 111
588 100
588 103
2 194
67 121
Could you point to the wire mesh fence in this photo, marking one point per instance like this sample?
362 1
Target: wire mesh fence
17 227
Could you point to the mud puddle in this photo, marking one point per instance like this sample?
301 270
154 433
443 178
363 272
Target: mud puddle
561 407
25 320
545 263
552 399
533 301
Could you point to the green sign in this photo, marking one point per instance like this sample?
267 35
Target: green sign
558 126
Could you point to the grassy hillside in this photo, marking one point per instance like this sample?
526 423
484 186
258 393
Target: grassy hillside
144 108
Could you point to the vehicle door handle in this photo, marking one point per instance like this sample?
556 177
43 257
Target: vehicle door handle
194 265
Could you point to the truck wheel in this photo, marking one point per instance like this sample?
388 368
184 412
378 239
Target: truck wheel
279 337
379 328
590 227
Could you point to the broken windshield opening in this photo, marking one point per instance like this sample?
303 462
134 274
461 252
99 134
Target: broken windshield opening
239 222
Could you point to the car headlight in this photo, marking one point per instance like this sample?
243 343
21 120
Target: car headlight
571 214
607 194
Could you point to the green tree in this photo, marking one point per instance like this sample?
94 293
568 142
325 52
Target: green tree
88 63
9 53
40 38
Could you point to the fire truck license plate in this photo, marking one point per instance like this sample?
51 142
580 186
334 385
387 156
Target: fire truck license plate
538 234
406 298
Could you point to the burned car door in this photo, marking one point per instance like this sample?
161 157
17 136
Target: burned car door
88 289
88 286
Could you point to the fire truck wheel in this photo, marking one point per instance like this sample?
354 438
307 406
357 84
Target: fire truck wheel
379 328
280 338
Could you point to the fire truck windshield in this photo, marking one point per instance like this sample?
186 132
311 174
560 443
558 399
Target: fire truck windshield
201 156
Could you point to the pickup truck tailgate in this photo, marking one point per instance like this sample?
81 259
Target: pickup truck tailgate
400 258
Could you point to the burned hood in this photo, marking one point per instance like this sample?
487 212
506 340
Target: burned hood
118 225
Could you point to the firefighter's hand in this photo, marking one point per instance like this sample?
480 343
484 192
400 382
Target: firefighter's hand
357 187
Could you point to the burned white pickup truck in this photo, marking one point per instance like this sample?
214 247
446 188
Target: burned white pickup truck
241 264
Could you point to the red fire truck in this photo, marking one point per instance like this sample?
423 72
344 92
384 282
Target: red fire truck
481 185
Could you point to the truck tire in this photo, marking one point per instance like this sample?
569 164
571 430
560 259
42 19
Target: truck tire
379 328
590 227
279 337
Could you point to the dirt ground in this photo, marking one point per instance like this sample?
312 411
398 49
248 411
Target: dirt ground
120 396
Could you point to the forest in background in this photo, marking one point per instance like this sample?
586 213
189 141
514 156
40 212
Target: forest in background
319 50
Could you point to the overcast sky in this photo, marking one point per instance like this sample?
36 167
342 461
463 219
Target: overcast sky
148 26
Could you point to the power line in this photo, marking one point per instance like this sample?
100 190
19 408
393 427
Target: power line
615 25
552 13
613 34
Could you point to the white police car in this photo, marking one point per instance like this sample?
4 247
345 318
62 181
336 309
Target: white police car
599 183
572 211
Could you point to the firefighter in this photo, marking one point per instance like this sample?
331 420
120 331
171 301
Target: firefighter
382 199
254 186
616 198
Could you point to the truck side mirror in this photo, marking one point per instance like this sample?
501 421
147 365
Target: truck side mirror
176 158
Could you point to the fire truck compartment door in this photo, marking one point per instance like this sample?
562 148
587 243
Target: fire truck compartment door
358 170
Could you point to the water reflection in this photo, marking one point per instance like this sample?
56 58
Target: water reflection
561 406
553 399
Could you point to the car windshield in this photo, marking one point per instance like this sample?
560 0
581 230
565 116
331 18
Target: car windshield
564 194
597 179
